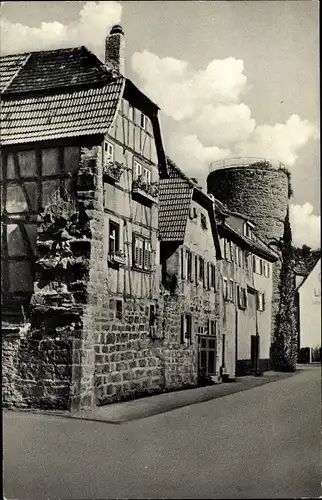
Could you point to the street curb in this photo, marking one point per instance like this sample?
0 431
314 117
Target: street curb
162 408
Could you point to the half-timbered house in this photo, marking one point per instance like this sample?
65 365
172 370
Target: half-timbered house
82 155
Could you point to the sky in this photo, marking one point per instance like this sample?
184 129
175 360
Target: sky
231 78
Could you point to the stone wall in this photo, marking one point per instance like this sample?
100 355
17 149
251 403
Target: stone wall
51 364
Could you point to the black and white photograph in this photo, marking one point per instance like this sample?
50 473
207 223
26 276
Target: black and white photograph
160 249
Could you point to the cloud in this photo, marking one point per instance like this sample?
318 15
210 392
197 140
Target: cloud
281 141
90 29
180 91
305 226
210 121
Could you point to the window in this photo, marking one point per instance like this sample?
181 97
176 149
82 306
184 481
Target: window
256 265
147 175
201 269
137 169
247 231
142 253
231 248
225 288
109 152
152 316
228 250
266 270
186 329
260 301
212 276
143 121
131 113
245 260
114 238
241 297
189 265
231 290
239 256
119 309
203 221
213 327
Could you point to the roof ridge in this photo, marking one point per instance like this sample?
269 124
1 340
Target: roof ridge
43 51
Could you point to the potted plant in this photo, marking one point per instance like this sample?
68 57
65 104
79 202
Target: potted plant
114 170
117 257
147 190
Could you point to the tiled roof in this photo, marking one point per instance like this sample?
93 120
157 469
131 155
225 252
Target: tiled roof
9 66
174 202
52 69
257 247
29 118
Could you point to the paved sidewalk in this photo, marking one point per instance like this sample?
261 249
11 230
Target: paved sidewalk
126 411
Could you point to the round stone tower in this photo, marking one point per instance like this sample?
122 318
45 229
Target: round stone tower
256 188
259 189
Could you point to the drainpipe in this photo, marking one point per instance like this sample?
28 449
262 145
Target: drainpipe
236 339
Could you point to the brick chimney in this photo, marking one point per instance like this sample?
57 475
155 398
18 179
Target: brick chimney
115 49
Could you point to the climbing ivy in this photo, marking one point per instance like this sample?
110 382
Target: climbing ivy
284 345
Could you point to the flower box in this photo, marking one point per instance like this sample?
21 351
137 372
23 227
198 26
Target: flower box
116 258
113 171
148 191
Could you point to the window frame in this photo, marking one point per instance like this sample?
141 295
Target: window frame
107 156
136 164
225 288
146 253
117 242
186 329
143 121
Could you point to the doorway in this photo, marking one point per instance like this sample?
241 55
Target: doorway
254 350
207 356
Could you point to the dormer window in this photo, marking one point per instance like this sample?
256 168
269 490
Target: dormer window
109 152
248 230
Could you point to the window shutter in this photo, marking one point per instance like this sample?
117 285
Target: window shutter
263 295
254 263
196 269
182 329
192 267
183 264
208 276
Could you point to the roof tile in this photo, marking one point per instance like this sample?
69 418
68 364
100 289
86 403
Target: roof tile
67 114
